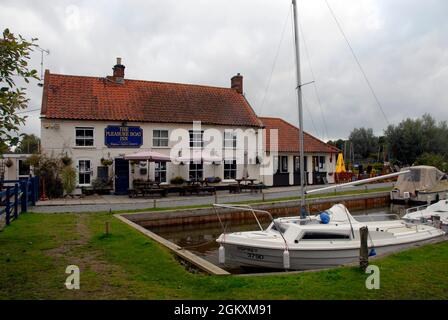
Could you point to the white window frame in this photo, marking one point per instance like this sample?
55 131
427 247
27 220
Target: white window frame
195 170
161 170
83 138
194 141
160 138
232 169
78 166
230 139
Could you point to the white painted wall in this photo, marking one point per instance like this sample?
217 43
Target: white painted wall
58 138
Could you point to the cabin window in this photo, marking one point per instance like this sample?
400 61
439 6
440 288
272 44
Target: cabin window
229 169
160 171
160 138
84 137
325 236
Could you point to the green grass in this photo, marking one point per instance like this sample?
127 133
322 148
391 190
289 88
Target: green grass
36 249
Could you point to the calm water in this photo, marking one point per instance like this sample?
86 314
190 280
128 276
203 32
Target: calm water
200 238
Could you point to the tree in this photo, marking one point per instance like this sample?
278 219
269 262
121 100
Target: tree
435 160
14 56
412 138
338 144
29 144
4 148
365 143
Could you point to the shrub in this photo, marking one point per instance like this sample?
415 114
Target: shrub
68 178
177 180
434 160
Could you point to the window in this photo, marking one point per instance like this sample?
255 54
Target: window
24 169
84 137
321 163
196 171
325 236
160 138
229 169
284 164
84 170
230 140
196 139
160 172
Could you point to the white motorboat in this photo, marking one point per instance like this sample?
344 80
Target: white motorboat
426 214
322 241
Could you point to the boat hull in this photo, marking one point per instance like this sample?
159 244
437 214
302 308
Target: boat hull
300 259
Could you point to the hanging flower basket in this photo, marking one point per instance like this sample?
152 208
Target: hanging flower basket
9 163
106 162
66 160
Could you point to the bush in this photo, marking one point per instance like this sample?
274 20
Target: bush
434 160
177 180
68 178
48 169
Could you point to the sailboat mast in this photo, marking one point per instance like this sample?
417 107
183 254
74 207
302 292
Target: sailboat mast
300 106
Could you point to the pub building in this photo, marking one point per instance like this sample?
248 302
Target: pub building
98 120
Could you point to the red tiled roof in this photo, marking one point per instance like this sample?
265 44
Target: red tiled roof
91 98
288 138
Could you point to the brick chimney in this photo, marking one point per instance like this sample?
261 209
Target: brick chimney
237 83
118 71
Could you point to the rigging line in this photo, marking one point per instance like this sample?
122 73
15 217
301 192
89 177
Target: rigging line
275 61
316 91
358 62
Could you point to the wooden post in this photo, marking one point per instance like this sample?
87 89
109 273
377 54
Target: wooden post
216 197
155 203
24 201
16 201
262 195
107 229
364 249
7 207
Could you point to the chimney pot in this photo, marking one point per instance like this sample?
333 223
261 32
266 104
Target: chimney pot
119 72
237 83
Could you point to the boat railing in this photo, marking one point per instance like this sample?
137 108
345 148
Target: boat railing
416 209
370 217
245 207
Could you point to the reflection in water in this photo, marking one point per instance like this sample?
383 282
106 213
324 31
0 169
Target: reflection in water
200 238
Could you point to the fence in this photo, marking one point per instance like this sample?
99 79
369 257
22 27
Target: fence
16 196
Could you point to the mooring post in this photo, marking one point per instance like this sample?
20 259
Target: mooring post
154 204
262 195
107 227
363 249
216 197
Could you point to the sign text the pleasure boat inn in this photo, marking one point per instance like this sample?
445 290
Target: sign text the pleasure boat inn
123 137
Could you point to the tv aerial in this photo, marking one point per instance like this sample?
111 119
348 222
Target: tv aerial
42 51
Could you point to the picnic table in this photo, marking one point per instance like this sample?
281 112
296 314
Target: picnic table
197 186
145 188
245 183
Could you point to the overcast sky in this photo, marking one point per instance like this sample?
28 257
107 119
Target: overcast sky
402 45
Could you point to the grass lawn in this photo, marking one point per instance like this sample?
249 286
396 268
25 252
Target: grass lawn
36 249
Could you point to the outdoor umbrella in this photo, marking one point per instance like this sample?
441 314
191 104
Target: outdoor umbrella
148 156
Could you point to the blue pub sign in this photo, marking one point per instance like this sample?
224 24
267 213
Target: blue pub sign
123 137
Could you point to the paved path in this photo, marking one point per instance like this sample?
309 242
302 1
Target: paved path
119 203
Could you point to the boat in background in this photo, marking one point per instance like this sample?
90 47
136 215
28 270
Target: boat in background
435 214
422 184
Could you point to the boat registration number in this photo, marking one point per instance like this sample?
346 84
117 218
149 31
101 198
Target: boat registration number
251 253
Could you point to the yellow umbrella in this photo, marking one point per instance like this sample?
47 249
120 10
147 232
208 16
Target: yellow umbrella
340 165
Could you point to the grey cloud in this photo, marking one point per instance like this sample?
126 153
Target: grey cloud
401 44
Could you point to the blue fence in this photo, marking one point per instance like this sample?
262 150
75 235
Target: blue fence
16 196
